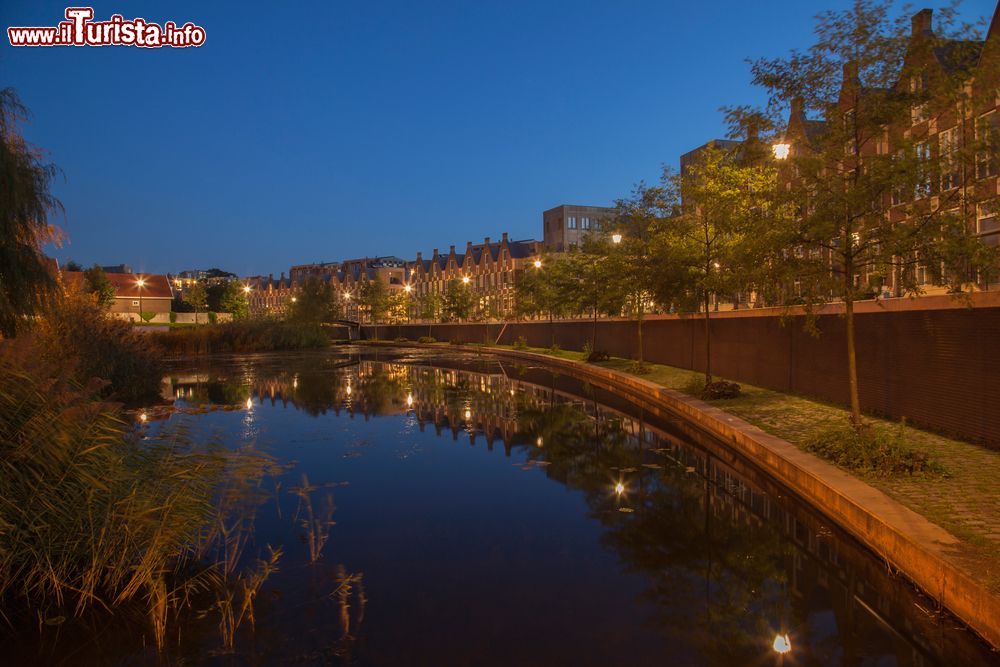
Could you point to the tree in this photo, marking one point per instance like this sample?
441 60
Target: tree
458 300
429 308
197 296
72 265
542 290
590 283
315 302
374 296
27 280
234 300
96 282
877 205
724 202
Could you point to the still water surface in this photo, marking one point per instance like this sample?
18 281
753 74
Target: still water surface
444 509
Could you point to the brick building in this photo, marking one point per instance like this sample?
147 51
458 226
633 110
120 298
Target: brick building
564 227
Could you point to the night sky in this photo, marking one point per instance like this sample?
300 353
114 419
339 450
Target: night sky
349 129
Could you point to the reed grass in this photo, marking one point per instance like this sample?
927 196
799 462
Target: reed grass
241 336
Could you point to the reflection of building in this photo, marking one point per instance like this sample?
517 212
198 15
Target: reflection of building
565 226
152 296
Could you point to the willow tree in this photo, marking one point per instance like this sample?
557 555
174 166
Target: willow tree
27 279
883 185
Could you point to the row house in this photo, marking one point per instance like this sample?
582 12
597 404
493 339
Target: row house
938 129
269 296
491 270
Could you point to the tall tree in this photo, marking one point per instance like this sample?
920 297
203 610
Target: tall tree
315 302
458 300
197 297
429 308
723 199
879 200
234 300
374 296
27 280
96 282
592 283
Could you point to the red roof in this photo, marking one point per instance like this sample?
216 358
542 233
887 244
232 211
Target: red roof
126 284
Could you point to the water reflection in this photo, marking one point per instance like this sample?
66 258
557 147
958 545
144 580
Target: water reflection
657 550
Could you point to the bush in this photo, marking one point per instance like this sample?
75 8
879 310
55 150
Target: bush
212 317
591 355
401 339
241 336
76 332
173 317
147 316
455 341
521 343
720 389
426 339
874 449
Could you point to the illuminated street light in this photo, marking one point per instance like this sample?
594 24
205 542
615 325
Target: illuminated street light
619 488
781 151
347 295
408 288
140 283
616 238
538 263
294 299
782 644
246 289
465 279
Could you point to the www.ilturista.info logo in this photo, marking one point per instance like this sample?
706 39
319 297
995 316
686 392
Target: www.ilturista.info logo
79 29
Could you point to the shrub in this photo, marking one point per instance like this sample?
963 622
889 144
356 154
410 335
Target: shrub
426 339
76 332
241 336
455 341
521 343
555 348
591 355
212 317
401 339
720 389
173 317
874 449
147 316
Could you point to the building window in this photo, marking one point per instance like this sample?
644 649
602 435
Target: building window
584 223
948 144
135 303
986 137
986 219
570 223
923 188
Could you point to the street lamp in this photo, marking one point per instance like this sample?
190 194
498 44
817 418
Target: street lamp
465 279
538 263
246 289
616 238
140 283
781 150
782 644
408 288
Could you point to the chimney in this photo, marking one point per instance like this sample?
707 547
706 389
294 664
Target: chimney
452 250
487 241
418 256
435 256
504 237
922 22
468 247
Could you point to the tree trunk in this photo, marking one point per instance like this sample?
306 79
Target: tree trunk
708 341
852 364
552 328
594 337
641 356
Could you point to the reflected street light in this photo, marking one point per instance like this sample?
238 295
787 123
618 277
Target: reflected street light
782 644
619 488
409 400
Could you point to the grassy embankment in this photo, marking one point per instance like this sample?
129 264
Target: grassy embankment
240 337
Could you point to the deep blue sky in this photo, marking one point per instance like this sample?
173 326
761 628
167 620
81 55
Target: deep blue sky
349 129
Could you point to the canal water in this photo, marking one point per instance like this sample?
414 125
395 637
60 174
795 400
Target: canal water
448 509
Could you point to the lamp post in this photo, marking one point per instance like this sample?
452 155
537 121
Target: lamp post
781 150
140 283
616 238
